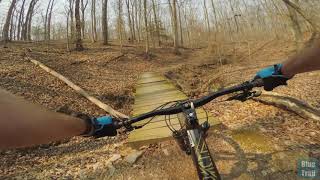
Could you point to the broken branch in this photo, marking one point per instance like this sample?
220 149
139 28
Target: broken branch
79 90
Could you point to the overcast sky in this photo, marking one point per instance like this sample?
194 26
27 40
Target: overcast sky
59 9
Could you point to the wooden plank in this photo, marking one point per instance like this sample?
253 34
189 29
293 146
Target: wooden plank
153 90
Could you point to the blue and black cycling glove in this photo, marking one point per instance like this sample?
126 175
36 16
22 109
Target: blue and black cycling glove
272 77
100 127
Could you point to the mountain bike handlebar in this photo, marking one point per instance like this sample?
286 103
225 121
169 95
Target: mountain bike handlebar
246 86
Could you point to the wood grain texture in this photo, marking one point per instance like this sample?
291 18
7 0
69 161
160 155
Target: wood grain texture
153 90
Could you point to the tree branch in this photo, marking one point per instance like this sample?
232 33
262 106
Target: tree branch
79 90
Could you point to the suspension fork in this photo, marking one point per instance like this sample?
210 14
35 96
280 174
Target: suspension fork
192 141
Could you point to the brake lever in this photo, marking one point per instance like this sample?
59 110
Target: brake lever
245 96
129 128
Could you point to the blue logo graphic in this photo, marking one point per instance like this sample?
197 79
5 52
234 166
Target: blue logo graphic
309 168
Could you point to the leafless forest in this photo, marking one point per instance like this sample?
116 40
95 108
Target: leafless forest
103 47
177 24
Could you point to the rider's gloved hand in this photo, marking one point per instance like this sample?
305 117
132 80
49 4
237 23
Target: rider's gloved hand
272 77
100 127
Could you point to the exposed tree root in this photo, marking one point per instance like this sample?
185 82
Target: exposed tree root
289 103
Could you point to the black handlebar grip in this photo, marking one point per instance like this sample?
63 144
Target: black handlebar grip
257 82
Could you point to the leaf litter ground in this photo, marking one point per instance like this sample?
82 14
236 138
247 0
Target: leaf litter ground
111 76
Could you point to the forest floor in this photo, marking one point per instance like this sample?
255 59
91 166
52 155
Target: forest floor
259 141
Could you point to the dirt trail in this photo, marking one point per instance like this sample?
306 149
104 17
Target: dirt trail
113 81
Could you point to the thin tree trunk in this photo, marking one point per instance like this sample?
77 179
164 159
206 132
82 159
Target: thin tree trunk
175 25
146 26
313 24
93 21
133 19
71 5
295 24
46 22
68 39
105 22
49 21
12 24
156 22
187 25
79 46
15 25
215 15
129 21
206 16
120 23
180 27
234 16
26 33
83 23
6 26
20 21
139 26
29 30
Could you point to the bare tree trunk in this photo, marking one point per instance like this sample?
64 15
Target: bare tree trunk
146 26
49 21
206 16
313 24
105 22
93 21
180 27
29 30
137 20
15 24
71 5
12 24
120 23
6 27
175 25
156 22
20 21
83 23
26 32
133 19
215 18
68 39
46 22
295 24
234 16
187 25
79 46
129 21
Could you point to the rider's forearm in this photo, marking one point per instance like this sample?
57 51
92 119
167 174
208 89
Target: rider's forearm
23 124
307 60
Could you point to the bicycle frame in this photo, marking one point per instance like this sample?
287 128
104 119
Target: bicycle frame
193 137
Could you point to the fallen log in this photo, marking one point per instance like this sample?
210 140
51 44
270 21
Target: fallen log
79 90
294 105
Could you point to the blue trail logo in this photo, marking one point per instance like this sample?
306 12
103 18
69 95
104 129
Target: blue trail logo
309 168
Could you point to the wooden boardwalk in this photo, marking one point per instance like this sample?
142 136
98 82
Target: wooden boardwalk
153 90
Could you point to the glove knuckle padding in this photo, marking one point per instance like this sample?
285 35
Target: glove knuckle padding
272 77
104 127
